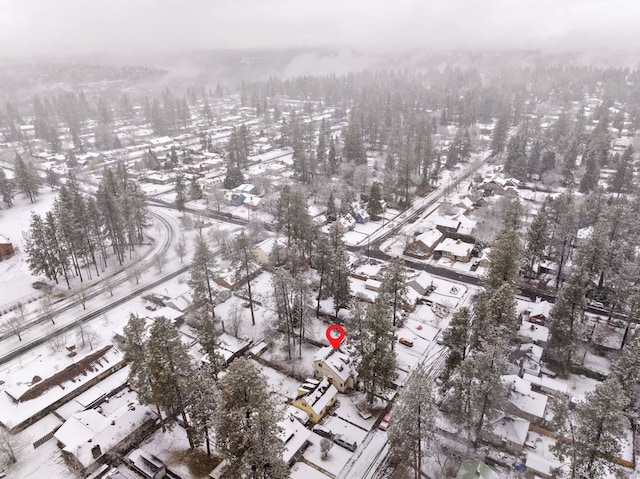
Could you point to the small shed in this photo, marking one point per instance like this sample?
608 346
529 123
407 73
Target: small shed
6 248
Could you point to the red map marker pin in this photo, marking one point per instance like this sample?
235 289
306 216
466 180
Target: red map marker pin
335 335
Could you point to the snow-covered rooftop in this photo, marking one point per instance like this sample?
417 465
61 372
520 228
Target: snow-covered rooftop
522 397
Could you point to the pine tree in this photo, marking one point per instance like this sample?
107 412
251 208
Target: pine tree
354 143
233 178
135 337
595 433
591 175
504 259
181 197
6 189
627 369
195 192
340 279
413 428
499 138
202 273
322 261
456 338
169 368
474 400
332 211
201 405
566 318
537 240
394 285
208 334
246 430
622 179
374 205
244 261
377 354
27 178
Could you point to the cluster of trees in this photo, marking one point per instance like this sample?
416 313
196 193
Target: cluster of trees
26 180
606 267
595 429
478 340
80 231
236 409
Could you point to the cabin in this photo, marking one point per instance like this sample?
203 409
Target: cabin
537 312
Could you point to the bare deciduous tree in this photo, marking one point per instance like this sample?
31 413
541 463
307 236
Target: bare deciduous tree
136 270
325 447
11 445
82 294
181 248
108 283
15 324
87 335
160 261
46 304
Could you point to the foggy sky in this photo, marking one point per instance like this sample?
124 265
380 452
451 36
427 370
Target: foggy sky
72 27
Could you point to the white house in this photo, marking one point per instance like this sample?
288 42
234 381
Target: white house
455 250
428 240
335 366
507 431
521 400
88 435
295 438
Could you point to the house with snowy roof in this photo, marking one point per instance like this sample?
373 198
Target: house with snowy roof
535 333
455 250
521 400
87 437
476 470
507 431
233 198
315 397
539 466
422 283
295 438
360 215
526 358
447 225
428 240
336 366
346 222
537 312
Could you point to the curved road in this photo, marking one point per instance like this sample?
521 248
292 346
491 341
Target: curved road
170 230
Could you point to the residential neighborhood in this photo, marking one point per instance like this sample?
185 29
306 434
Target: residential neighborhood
239 264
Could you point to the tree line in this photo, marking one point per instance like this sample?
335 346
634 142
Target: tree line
81 232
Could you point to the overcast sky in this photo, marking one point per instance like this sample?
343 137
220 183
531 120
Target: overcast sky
43 27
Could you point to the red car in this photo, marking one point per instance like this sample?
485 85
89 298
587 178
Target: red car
386 421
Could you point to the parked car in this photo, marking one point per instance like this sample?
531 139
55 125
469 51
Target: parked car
386 422
344 441
406 342
596 304
320 430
